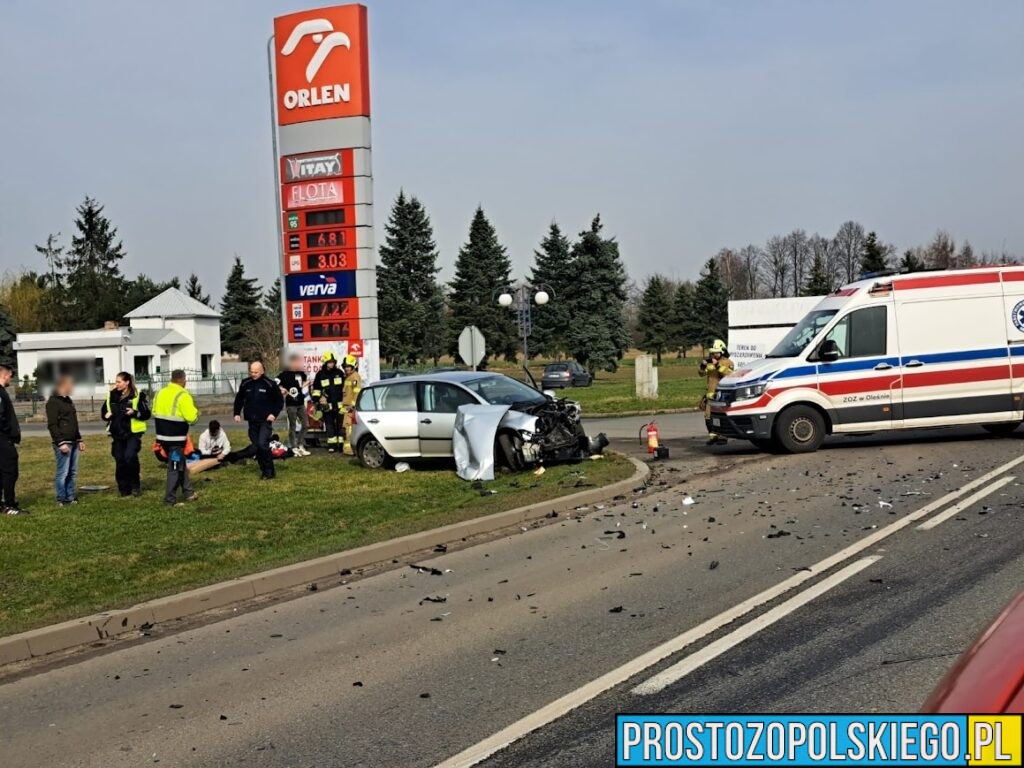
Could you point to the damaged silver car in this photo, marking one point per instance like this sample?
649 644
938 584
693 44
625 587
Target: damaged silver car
416 416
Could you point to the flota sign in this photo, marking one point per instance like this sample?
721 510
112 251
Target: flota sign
321 64
320 285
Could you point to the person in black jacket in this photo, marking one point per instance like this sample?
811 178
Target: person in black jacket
10 436
260 398
126 411
62 421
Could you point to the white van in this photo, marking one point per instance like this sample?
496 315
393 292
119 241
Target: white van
927 349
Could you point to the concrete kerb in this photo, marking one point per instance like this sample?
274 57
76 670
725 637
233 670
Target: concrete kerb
109 624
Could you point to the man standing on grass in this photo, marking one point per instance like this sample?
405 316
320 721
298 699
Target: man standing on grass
10 436
261 400
62 421
173 412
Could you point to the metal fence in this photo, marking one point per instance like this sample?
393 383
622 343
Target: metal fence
30 395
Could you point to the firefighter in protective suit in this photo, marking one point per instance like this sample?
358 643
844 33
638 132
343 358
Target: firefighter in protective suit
327 393
351 388
716 366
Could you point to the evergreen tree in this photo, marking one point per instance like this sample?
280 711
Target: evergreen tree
272 300
409 300
92 271
195 290
553 266
912 262
7 333
685 328
241 310
481 267
711 305
143 288
654 320
817 283
872 255
599 335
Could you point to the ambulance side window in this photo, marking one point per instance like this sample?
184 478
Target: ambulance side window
862 333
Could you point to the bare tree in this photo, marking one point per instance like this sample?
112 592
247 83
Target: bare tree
776 266
966 257
849 241
752 257
941 251
799 253
734 273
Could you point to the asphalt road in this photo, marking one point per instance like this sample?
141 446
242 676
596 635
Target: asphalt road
372 673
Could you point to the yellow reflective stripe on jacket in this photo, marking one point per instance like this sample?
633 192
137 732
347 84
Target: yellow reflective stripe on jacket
137 425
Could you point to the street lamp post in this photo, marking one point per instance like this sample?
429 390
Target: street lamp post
521 298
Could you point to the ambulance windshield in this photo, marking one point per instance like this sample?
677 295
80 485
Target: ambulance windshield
794 342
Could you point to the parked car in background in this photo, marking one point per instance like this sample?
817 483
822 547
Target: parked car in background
567 374
414 417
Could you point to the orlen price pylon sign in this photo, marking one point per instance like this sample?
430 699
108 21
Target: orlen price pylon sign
322 112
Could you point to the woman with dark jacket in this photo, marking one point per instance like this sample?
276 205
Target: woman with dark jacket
126 411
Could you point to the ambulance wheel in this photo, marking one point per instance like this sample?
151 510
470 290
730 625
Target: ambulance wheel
1003 429
372 454
800 429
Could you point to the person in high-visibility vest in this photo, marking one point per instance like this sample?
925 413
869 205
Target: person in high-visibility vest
350 393
126 411
173 413
327 394
715 367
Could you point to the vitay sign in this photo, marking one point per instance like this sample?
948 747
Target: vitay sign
322 64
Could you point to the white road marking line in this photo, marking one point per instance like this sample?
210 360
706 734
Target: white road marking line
570 701
956 509
713 650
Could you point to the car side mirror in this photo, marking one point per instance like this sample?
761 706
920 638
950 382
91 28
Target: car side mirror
550 394
828 352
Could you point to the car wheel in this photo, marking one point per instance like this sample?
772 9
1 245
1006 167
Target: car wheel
800 429
1003 429
510 445
372 454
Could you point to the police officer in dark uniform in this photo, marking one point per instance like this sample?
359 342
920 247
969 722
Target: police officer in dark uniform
259 397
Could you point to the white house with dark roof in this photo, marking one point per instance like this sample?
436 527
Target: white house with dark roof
171 330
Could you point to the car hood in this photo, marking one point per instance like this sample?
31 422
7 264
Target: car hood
754 371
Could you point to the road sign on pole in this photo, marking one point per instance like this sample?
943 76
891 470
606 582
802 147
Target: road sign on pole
471 346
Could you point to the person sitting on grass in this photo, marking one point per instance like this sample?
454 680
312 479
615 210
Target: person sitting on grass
214 443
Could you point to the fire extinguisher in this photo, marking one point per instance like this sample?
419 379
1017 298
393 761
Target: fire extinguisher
652 438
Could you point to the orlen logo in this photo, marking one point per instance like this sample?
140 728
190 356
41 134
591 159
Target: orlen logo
321 64
329 287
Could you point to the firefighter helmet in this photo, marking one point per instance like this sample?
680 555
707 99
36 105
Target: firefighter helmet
328 357
350 361
718 346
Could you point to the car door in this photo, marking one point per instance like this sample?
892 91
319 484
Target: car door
394 422
439 403
863 385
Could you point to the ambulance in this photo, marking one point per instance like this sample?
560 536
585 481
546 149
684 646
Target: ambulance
891 351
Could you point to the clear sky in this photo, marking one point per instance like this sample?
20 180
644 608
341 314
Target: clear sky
688 125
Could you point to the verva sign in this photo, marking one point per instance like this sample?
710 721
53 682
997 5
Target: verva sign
321 64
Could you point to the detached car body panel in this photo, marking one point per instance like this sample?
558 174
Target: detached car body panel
907 351
415 417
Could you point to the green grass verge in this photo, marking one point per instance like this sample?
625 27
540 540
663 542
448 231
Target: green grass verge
109 552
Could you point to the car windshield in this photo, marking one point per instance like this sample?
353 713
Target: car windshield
796 341
556 368
501 390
